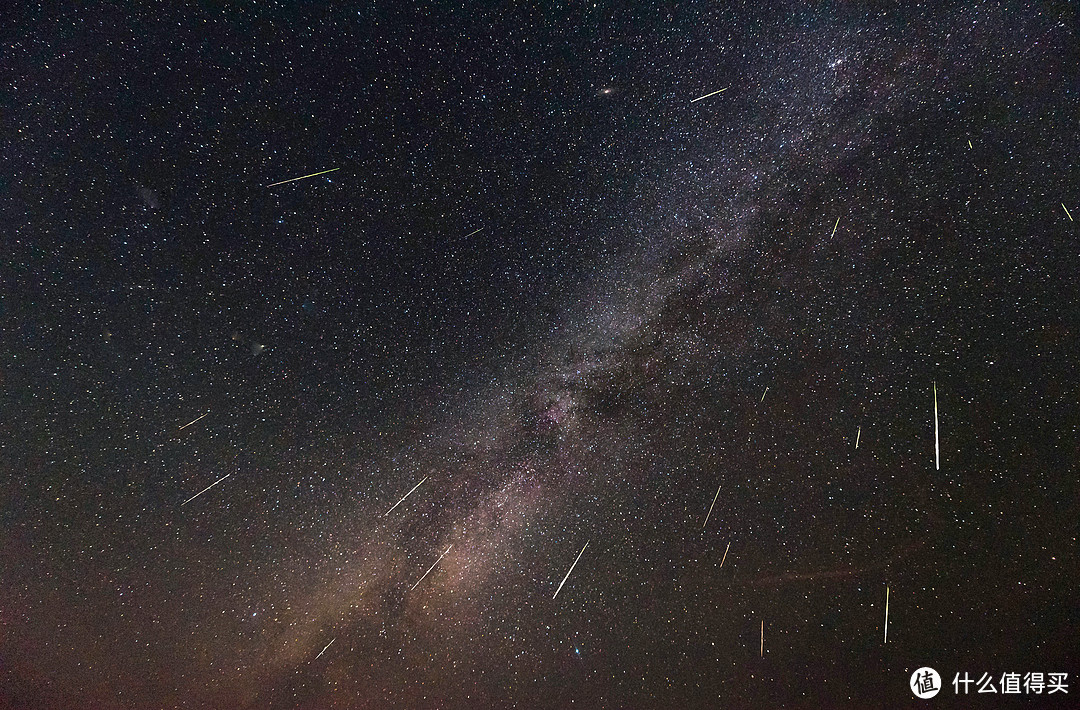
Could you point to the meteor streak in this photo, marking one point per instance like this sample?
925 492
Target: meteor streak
324 648
857 435
712 94
430 568
303 177
205 489
569 571
477 231
886 614
834 227
1067 211
711 507
763 395
404 497
725 555
937 450
192 422
763 638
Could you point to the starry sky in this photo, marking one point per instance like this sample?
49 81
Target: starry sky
570 318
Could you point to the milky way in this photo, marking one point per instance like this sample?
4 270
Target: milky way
546 306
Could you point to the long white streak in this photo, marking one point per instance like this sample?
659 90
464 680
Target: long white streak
205 489
473 232
712 94
303 177
834 227
430 568
886 614
1067 211
569 571
325 647
857 435
937 450
404 497
763 638
711 507
725 555
763 395
192 422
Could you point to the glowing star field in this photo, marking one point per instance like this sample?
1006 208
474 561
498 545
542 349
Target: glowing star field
692 355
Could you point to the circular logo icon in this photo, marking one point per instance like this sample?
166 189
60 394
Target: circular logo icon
925 683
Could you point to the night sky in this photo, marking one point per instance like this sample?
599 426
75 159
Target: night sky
688 347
